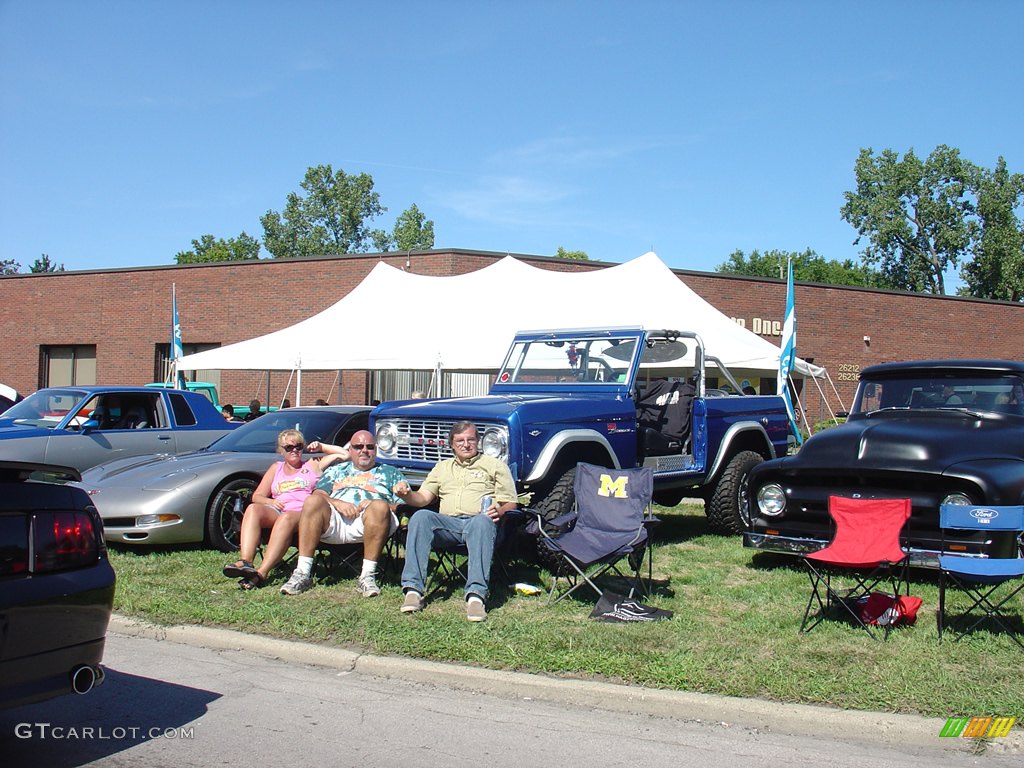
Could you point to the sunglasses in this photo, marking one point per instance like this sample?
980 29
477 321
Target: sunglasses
362 446
292 448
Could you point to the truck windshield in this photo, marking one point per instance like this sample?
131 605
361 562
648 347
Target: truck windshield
994 394
595 361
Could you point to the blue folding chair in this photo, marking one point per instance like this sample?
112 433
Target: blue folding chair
609 526
981 578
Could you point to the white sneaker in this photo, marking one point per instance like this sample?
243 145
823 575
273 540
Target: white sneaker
475 610
297 584
367 585
413 602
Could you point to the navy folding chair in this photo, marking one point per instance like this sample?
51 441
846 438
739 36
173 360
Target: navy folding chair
610 526
866 551
448 557
987 581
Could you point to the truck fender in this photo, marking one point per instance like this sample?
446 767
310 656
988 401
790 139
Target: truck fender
746 430
550 452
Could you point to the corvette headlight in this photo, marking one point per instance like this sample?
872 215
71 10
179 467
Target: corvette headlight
771 500
495 443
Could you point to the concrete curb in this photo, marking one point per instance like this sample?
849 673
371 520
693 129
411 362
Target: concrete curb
723 711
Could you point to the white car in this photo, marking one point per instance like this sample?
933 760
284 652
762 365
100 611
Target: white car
8 397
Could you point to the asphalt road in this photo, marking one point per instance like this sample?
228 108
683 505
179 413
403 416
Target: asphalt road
200 697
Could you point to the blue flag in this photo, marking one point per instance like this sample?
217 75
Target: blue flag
788 356
177 352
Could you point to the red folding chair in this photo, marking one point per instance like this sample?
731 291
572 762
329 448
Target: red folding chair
866 550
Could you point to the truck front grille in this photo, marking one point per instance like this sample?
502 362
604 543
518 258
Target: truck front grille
423 440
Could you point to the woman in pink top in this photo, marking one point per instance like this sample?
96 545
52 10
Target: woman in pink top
277 501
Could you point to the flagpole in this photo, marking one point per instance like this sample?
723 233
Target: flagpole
788 354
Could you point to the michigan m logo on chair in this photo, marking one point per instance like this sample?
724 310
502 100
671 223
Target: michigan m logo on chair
616 487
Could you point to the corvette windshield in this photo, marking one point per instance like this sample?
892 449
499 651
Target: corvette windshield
991 394
260 435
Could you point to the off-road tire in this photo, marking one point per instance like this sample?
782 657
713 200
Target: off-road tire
559 500
224 515
726 508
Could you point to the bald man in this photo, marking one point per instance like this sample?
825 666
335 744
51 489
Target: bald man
353 502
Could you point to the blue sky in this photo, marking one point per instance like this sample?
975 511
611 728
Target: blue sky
130 128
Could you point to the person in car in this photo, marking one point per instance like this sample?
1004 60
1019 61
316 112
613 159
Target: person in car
277 503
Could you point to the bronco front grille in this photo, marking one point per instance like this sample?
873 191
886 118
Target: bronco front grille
423 440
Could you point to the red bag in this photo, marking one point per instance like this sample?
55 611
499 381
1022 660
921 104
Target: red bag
879 610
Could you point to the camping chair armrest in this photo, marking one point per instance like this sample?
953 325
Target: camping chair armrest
557 525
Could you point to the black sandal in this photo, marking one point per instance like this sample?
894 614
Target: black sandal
254 581
242 569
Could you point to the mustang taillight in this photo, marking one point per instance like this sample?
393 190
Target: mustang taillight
62 540
13 544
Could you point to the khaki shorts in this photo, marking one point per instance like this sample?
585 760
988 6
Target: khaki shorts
342 531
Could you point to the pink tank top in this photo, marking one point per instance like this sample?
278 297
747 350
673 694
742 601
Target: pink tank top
292 490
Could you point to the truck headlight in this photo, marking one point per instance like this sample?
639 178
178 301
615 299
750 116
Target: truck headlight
387 438
771 500
495 443
958 499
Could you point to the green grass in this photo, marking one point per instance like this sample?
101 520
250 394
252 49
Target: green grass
735 629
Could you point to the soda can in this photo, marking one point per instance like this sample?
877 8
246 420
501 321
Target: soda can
485 504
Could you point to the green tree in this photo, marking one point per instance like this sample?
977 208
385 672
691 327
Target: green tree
412 231
9 267
209 248
915 215
332 218
43 264
561 253
808 266
997 270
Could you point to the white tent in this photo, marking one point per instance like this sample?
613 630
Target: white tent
465 322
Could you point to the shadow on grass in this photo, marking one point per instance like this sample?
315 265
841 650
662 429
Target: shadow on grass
679 527
772 561
154 549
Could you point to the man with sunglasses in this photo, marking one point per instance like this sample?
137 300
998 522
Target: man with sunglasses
475 492
353 502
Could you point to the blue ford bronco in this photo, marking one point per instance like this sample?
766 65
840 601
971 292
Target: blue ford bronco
618 397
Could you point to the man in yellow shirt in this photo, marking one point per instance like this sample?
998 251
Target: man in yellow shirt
475 492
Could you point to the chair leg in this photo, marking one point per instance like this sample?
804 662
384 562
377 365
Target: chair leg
821 582
942 604
981 597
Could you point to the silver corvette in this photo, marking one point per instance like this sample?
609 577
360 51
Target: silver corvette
200 496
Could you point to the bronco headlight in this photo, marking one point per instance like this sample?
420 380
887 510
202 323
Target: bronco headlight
958 499
387 438
771 500
495 443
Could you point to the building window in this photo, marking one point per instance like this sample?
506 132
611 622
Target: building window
68 365
162 367
400 385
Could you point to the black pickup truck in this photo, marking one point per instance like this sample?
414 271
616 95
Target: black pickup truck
934 431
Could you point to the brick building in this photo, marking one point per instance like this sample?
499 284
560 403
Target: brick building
114 326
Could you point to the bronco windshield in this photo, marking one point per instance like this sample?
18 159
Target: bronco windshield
991 394
606 359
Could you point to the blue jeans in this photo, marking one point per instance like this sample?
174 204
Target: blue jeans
426 527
